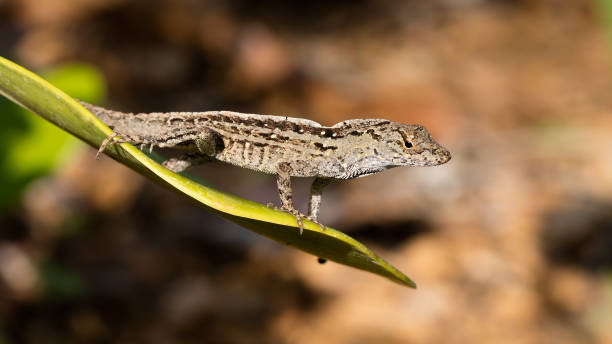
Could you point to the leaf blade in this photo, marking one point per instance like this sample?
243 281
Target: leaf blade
37 95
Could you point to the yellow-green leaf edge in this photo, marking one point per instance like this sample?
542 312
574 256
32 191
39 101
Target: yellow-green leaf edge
37 95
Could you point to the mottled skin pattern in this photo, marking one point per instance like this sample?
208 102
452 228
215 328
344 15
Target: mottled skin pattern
285 146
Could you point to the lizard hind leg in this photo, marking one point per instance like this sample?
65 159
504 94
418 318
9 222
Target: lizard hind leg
207 143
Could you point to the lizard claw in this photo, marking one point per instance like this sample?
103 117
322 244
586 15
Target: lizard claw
298 216
315 221
105 143
298 219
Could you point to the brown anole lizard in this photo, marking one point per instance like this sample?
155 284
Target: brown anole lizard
285 146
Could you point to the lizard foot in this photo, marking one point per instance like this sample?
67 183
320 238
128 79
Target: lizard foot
299 217
110 140
176 165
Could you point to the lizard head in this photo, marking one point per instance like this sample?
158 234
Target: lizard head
375 145
380 145
412 145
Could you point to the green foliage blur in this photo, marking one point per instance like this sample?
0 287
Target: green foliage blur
605 13
31 147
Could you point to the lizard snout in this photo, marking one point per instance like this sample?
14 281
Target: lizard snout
443 154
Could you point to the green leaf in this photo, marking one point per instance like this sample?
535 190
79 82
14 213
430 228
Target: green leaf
604 12
60 284
40 97
22 156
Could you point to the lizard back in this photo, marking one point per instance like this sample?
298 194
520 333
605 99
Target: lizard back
260 142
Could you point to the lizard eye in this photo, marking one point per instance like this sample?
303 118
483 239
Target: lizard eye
408 144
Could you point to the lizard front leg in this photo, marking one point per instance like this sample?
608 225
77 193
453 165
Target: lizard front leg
314 204
207 143
283 181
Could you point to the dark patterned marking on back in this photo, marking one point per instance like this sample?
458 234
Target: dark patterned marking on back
323 147
373 134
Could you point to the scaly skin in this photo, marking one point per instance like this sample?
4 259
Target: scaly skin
285 146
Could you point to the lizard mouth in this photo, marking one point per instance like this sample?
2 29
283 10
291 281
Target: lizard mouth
433 157
443 155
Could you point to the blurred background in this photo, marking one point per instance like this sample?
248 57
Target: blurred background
510 242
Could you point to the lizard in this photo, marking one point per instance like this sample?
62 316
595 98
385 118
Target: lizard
280 145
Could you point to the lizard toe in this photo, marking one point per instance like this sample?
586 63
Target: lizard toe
315 221
112 139
298 217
